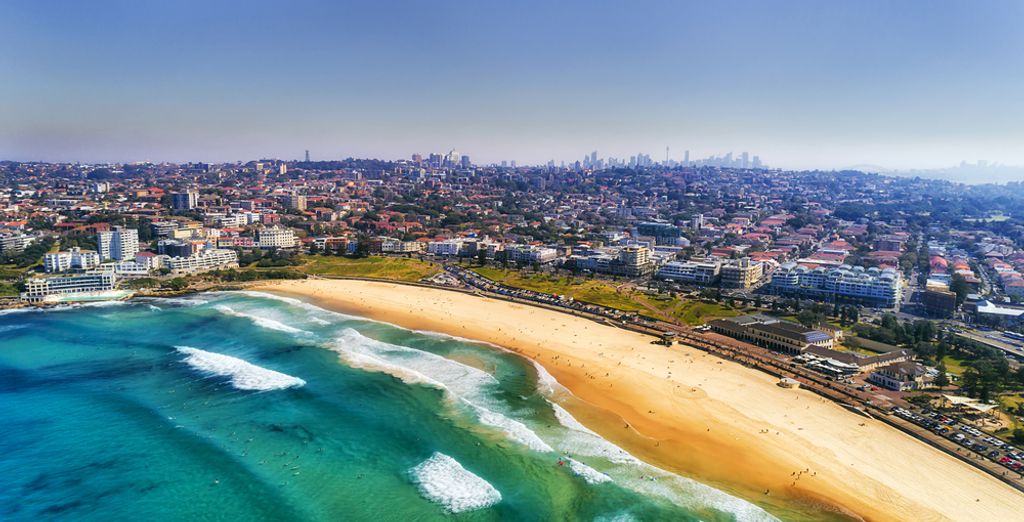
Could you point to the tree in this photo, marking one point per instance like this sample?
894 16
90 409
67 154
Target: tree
958 285
942 380
1018 436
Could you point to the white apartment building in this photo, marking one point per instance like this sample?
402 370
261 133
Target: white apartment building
448 247
884 287
39 289
742 273
389 245
209 259
275 237
74 258
120 243
692 272
530 254
15 243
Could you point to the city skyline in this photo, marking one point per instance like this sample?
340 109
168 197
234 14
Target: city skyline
905 86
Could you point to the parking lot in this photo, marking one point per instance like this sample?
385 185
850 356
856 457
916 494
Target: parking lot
968 437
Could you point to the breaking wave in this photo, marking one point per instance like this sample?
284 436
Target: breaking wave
262 322
244 375
462 383
442 480
589 474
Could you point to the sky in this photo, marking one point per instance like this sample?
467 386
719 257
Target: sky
804 84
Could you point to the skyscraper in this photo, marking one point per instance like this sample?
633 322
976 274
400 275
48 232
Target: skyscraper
686 158
307 154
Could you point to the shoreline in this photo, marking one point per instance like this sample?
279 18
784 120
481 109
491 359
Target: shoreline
691 413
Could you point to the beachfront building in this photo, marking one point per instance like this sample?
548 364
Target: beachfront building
209 259
741 273
691 272
629 261
772 333
390 245
901 376
880 287
120 244
446 248
530 254
275 237
71 259
39 289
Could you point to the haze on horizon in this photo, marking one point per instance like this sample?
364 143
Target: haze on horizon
803 84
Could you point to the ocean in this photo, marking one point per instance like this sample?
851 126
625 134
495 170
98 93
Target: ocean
249 406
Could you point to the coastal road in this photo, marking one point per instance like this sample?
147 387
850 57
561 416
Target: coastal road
1012 352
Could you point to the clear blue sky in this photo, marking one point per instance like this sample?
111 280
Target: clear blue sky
804 84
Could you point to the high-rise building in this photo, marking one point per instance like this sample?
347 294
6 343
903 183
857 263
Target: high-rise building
686 157
187 200
294 201
275 237
307 155
417 158
697 222
120 243
465 163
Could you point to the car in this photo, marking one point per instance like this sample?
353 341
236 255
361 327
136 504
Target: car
1005 460
993 454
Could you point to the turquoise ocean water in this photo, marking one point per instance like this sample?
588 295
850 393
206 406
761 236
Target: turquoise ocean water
247 406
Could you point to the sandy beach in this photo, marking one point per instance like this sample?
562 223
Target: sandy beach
695 414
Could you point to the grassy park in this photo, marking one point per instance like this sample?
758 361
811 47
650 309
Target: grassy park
394 268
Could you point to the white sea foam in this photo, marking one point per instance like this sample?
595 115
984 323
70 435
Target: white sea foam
546 383
10 327
442 480
462 383
589 474
309 307
262 322
155 308
182 301
514 429
616 517
10 311
244 375
648 479
317 320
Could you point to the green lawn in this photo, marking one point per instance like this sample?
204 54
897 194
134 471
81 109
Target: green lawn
607 293
953 366
700 312
582 289
395 268
8 290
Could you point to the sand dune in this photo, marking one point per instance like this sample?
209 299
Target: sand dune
700 416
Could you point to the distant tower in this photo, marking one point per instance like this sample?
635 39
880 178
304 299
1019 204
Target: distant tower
307 155
666 154
686 157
